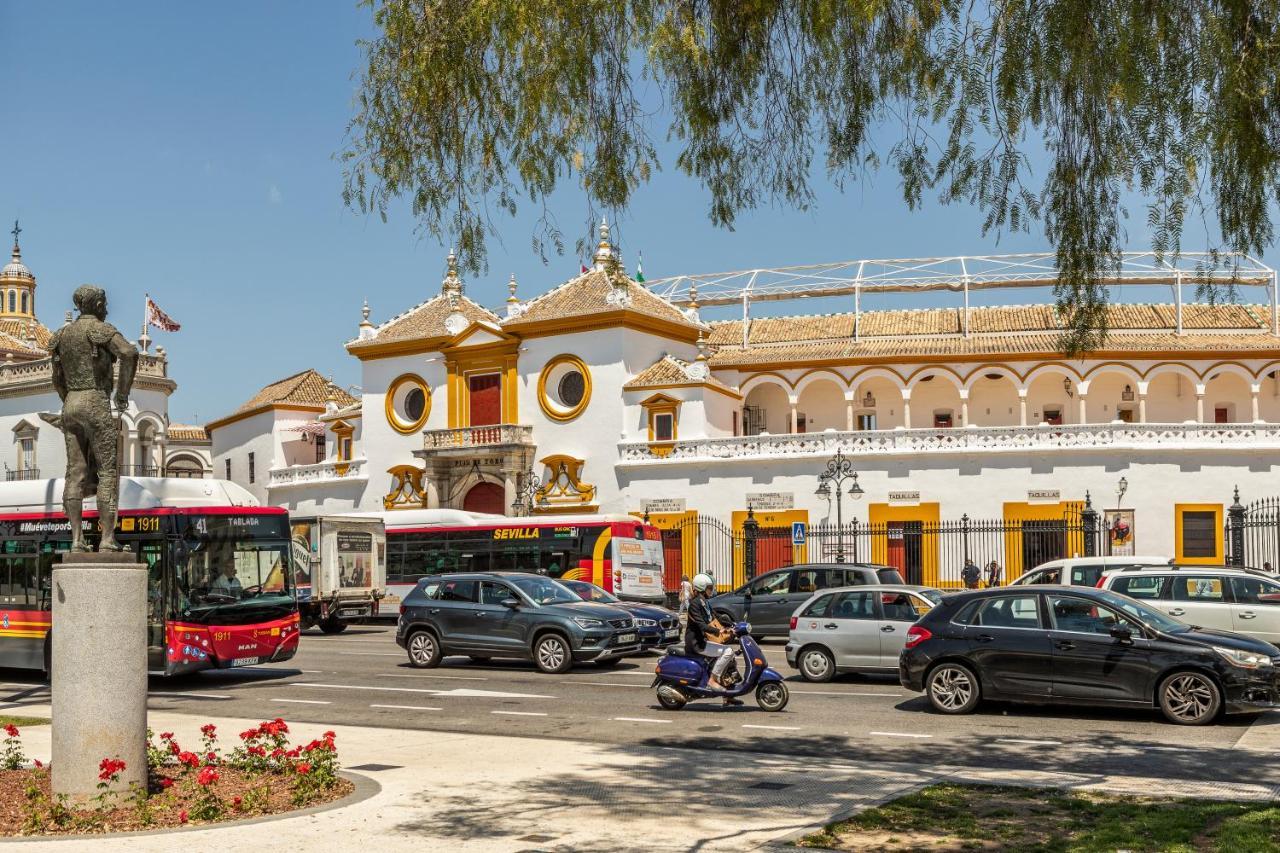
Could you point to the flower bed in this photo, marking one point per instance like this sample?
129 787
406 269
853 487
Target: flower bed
263 774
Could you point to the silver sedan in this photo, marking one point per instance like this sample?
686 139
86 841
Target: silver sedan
855 629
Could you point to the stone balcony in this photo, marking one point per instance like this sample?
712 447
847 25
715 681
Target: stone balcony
22 376
323 472
464 440
960 440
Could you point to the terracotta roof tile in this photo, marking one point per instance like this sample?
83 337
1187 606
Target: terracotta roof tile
186 432
425 320
17 329
670 370
307 388
589 294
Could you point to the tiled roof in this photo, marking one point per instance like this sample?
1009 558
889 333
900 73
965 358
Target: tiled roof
307 388
983 320
589 294
186 432
425 320
17 329
668 371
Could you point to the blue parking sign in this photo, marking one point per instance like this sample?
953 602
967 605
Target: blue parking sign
797 532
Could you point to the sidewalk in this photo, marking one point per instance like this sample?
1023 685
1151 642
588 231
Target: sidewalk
447 791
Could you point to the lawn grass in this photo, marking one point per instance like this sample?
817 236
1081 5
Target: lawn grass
9 719
984 817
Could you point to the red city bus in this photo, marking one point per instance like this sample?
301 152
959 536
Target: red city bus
620 553
218 592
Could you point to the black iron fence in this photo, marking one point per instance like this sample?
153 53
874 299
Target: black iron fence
1253 532
925 552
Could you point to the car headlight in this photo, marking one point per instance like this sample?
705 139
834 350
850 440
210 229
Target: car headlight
584 622
646 623
1243 659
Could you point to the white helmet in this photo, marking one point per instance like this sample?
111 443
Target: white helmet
703 581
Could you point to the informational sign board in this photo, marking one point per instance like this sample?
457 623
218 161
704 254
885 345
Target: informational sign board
1042 495
904 497
771 501
1120 532
656 505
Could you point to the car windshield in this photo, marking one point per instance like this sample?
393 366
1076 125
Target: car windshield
933 595
544 590
590 592
1150 615
233 580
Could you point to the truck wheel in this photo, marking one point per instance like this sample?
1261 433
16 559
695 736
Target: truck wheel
333 625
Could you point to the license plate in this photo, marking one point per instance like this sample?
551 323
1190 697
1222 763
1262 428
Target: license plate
671 633
245 661
626 638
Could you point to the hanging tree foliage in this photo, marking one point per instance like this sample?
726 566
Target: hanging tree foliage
471 106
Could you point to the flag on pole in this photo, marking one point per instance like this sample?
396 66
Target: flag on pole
640 267
159 319
584 267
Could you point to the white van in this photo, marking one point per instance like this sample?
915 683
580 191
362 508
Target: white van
1084 571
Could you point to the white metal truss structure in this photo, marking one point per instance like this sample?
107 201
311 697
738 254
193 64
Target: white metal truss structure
959 275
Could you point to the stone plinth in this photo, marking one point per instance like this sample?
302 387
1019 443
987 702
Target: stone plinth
99 671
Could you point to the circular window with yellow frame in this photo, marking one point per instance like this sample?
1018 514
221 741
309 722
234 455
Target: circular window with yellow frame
408 403
564 387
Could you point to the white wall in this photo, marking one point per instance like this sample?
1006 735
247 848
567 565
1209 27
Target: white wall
235 441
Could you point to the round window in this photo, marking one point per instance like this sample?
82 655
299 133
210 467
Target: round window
564 388
408 404
572 388
415 403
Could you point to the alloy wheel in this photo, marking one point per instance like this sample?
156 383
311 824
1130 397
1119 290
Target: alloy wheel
1189 697
422 648
951 688
551 654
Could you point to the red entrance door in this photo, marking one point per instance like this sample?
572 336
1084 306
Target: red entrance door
486 399
896 555
485 497
672 558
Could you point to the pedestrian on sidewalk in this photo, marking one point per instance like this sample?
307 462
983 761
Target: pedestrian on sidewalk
686 593
970 574
993 574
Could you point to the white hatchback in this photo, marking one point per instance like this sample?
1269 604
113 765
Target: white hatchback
1083 571
1246 601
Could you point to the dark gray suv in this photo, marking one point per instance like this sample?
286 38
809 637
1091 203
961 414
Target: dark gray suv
510 615
774 596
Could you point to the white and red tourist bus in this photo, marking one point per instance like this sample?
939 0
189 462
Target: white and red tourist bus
218 590
617 552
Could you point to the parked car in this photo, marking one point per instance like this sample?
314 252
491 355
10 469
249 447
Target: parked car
656 626
775 595
1078 645
1083 571
510 615
855 629
1219 597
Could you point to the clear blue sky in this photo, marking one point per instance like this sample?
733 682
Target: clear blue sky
187 150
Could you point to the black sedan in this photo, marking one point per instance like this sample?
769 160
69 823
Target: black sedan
1078 645
656 626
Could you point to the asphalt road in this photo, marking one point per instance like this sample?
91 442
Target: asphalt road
362 678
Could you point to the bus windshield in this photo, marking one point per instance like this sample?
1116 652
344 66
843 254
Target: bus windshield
233 581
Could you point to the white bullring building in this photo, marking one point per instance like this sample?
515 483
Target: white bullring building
615 396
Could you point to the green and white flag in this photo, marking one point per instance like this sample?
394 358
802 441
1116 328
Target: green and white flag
640 266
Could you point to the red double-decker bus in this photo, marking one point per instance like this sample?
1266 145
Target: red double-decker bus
620 553
219 581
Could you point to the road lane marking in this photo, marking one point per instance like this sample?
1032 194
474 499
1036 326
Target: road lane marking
311 671
191 695
640 720
846 693
605 684
898 734
457 691
302 701
774 728
520 713
408 707
372 654
424 675
1029 742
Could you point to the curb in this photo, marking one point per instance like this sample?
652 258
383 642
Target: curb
365 788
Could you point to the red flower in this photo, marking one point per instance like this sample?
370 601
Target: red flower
294 753
304 768
190 759
174 749
166 783
235 801
211 757
208 729
277 752
39 764
166 736
329 736
182 816
207 776
260 751
249 734
110 768
11 730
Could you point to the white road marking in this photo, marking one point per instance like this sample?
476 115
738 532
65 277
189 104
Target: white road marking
846 693
898 734
408 707
373 654
424 675
604 684
774 728
520 713
1029 742
458 691
192 695
640 720
488 694
302 701
312 671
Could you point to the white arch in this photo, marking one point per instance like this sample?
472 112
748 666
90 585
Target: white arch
1112 367
877 373
764 379
1234 370
822 375
155 419
924 373
981 373
1173 367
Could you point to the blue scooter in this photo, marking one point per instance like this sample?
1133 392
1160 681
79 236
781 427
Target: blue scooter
681 679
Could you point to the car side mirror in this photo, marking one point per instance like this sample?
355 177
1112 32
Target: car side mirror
511 603
1122 633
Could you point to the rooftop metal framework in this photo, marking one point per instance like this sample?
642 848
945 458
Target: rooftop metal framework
959 274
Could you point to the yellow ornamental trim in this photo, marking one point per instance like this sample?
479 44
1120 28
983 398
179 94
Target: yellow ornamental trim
555 369
400 423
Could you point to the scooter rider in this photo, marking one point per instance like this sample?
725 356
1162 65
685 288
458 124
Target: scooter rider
702 625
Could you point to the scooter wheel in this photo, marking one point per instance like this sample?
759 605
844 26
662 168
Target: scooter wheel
671 698
772 696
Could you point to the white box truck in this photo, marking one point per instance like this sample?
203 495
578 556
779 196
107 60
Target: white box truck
341 569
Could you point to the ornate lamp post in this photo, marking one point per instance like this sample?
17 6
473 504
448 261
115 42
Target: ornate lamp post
839 469
526 494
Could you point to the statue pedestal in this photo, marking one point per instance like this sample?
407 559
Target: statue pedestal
99 672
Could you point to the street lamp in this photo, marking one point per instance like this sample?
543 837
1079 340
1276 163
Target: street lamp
1121 488
839 469
526 494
